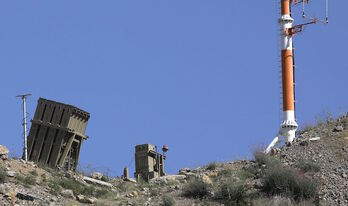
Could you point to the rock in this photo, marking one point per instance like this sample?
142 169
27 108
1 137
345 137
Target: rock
338 128
132 194
135 194
184 171
67 194
99 182
97 175
314 139
3 189
3 152
84 199
11 173
168 178
27 197
11 196
304 143
130 180
213 174
206 179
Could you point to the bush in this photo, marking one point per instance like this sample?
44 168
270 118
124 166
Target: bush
212 166
286 181
307 166
232 193
168 201
34 173
76 187
280 201
27 180
55 189
196 188
102 193
264 159
3 174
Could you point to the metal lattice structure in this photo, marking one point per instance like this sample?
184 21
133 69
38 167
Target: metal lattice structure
56 134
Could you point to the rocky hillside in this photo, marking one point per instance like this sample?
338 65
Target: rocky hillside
311 171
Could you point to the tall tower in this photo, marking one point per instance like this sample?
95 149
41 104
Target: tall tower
289 125
287 31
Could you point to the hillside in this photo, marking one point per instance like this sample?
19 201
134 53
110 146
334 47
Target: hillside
311 171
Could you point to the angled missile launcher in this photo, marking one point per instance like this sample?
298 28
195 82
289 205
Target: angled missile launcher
56 134
148 162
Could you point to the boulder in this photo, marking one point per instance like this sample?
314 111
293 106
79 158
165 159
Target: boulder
97 175
338 128
3 152
67 194
206 179
84 199
24 196
130 180
167 179
11 173
98 182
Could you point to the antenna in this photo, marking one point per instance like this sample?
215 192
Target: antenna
24 97
310 20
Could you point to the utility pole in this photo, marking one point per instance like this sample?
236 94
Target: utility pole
24 97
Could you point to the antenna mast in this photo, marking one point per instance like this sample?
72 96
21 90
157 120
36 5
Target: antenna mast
25 149
287 31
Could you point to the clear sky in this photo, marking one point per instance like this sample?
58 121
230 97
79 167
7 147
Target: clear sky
200 76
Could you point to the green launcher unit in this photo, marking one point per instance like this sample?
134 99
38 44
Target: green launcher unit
56 134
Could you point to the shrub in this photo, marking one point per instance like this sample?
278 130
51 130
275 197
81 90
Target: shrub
286 181
27 180
212 166
264 159
168 201
3 174
196 188
307 166
76 187
260 157
55 189
102 193
34 173
232 193
280 201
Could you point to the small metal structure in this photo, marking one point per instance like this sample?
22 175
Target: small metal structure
56 134
24 107
148 162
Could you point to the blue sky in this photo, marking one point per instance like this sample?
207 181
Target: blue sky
199 76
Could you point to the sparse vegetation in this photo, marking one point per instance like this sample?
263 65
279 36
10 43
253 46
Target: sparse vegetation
287 181
196 188
101 193
34 173
264 159
3 174
27 180
168 200
76 187
280 201
232 193
55 189
307 166
212 166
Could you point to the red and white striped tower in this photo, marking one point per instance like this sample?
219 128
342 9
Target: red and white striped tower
287 31
289 125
